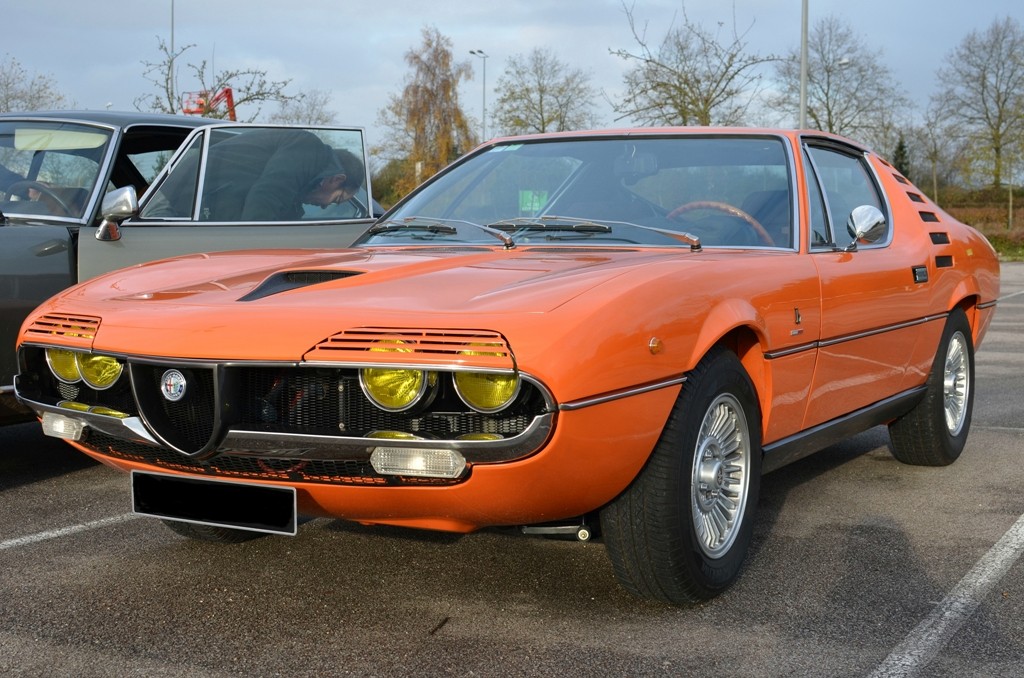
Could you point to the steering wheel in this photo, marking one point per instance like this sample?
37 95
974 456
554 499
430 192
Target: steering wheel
754 224
45 190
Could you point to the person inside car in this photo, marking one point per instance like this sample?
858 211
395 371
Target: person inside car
261 175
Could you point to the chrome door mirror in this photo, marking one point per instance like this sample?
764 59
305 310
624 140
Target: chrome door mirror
866 224
117 206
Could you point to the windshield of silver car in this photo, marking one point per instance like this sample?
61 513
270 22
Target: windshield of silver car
49 168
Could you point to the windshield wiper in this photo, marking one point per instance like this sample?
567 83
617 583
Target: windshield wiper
578 225
412 224
688 238
552 223
439 226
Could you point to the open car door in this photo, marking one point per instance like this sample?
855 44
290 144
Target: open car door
233 187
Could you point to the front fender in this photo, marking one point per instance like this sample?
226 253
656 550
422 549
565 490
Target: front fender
723 319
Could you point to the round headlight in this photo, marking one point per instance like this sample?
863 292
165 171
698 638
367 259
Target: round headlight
63 364
99 371
393 390
485 391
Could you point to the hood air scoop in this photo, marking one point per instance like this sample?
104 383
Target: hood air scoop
292 280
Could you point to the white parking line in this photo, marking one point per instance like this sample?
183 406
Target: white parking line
932 634
64 531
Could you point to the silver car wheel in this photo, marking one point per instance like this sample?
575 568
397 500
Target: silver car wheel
721 475
956 383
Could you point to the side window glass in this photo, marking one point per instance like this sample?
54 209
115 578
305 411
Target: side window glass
248 174
176 196
847 184
816 203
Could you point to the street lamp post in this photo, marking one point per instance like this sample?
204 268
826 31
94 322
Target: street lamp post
483 115
803 66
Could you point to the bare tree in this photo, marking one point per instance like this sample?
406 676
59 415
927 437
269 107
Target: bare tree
692 78
250 87
428 128
307 108
983 91
940 150
539 93
24 91
849 90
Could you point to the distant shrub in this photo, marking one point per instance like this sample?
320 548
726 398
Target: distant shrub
987 217
991 221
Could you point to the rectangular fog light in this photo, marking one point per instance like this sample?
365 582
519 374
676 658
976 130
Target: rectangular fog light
59 426
406 461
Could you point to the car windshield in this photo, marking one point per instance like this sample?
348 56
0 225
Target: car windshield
727 191
49 168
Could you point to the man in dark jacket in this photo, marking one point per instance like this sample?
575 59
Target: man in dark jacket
261 175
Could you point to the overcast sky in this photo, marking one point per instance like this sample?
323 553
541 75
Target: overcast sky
353 49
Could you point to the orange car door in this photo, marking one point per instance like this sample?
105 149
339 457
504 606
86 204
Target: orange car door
869 298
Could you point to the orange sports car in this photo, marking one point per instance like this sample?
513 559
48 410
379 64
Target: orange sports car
612 332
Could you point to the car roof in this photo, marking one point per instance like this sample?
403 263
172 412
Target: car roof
114 118
640 132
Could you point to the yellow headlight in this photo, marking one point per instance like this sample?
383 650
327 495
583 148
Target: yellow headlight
99 371
395 389
106 411
485 391
72 405
63 364
392 389
481 437
393 435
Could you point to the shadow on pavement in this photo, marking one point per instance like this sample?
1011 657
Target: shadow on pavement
27 456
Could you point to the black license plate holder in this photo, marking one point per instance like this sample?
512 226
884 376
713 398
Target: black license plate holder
221 503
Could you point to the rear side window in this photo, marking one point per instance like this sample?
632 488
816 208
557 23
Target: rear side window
845 183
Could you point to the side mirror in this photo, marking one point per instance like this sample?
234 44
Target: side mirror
867 224
117 206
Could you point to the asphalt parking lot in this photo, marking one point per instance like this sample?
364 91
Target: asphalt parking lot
860 566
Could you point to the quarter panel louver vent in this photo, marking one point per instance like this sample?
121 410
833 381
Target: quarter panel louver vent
929 216
939 238
396 346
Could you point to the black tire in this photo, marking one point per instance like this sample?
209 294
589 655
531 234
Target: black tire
935 431
212 533
656 532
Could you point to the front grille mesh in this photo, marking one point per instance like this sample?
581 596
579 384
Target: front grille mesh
187 424
331 402
323 401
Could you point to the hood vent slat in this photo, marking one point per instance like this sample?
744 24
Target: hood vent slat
293 280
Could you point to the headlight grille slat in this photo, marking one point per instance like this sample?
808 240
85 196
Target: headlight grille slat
473 348
73 330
